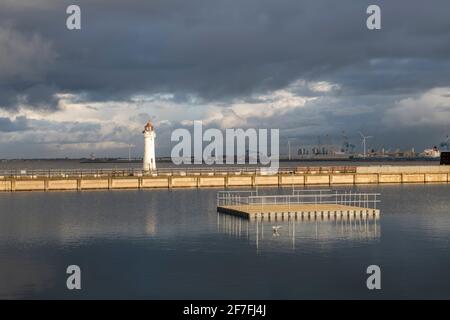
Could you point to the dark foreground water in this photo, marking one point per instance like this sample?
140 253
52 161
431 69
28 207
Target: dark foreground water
172 244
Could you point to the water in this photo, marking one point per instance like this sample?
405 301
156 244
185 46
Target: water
44 164
172 244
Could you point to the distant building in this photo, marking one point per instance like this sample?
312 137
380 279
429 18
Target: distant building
432 153
445 157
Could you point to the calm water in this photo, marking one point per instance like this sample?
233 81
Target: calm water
75 164
172 244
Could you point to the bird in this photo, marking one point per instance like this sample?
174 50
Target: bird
275 231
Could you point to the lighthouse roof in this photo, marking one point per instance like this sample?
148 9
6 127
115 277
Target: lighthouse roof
148 126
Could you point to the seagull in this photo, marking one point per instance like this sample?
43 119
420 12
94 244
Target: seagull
275 231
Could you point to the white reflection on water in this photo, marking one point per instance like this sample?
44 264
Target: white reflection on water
271 233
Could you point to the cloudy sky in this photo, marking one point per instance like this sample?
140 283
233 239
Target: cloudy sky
307 67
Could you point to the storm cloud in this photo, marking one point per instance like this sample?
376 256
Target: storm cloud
219 55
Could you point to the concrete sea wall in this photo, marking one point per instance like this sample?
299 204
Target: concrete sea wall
204 179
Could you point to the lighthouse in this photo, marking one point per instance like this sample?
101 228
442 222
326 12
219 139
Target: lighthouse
149 147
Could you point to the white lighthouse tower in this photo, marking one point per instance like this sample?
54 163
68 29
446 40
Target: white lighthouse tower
149 147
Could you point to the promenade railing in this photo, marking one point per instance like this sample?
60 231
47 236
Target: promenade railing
206 170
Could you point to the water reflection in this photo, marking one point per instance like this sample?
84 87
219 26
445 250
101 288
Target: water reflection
289 232
166 245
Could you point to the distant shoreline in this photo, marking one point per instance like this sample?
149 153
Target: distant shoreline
166 159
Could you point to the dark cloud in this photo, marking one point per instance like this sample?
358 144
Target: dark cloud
25 58
224 49
203 51
18 124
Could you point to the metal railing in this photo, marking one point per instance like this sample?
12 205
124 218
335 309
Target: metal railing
241 193
306 191
348 198
207 170
234 196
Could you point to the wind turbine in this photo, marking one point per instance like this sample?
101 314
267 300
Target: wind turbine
364 138
289 139
129 151
289 148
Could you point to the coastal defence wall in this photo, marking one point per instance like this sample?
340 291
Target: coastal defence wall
231 179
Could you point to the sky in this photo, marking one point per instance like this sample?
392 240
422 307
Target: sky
310 68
